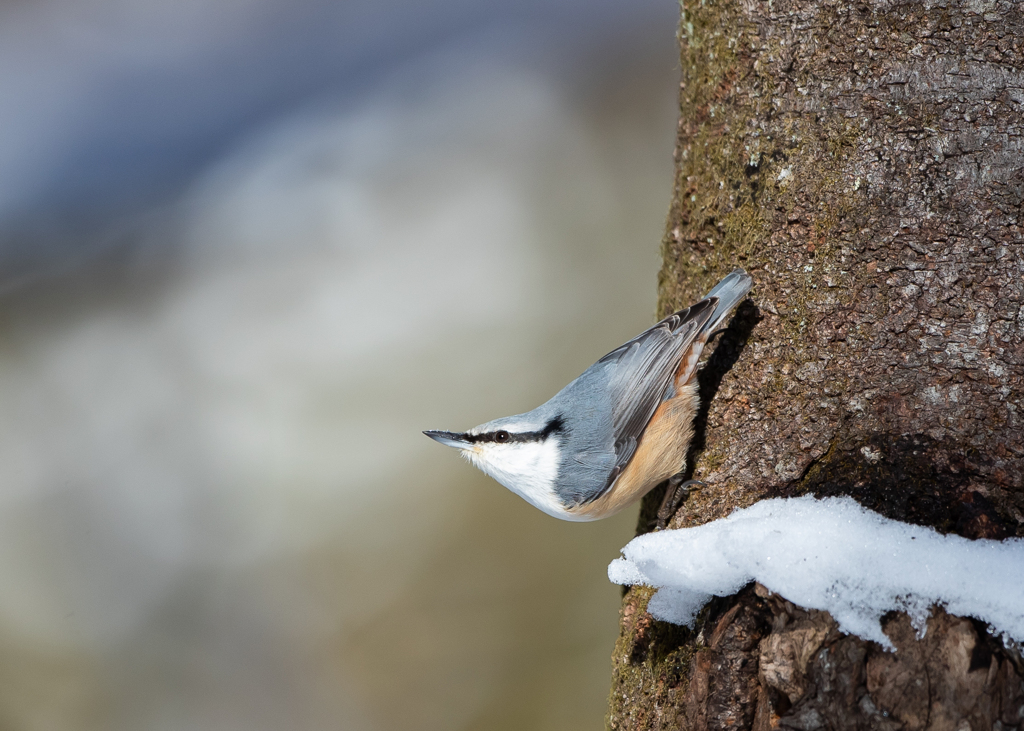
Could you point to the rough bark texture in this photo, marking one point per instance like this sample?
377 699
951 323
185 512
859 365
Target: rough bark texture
865 162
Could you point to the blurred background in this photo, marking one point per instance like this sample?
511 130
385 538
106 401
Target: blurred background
248 250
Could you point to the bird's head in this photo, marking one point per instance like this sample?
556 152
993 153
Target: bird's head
521 452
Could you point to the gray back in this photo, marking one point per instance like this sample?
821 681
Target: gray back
607 408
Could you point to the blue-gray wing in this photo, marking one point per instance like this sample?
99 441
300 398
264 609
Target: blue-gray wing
641 371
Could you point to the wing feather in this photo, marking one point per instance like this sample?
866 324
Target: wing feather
643 369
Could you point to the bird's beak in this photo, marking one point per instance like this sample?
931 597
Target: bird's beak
449 439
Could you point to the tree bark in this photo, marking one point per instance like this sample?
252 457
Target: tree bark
864 162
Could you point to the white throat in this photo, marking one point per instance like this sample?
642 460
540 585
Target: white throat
528 469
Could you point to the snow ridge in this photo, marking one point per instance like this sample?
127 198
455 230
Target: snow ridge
834 555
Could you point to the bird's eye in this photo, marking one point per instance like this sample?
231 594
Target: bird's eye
501 436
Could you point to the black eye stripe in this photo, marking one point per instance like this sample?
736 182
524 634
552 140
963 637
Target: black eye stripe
555 426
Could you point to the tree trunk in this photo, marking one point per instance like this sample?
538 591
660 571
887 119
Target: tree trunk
865 163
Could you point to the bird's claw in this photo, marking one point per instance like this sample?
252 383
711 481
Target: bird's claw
676 494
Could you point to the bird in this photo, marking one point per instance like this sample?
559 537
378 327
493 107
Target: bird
620 429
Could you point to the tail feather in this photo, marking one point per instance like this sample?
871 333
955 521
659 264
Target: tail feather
730 292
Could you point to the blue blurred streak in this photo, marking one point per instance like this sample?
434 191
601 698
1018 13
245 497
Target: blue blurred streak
116 107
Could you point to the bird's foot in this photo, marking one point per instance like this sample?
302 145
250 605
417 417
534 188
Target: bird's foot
676 494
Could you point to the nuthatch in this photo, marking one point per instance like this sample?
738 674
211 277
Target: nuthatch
618 430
